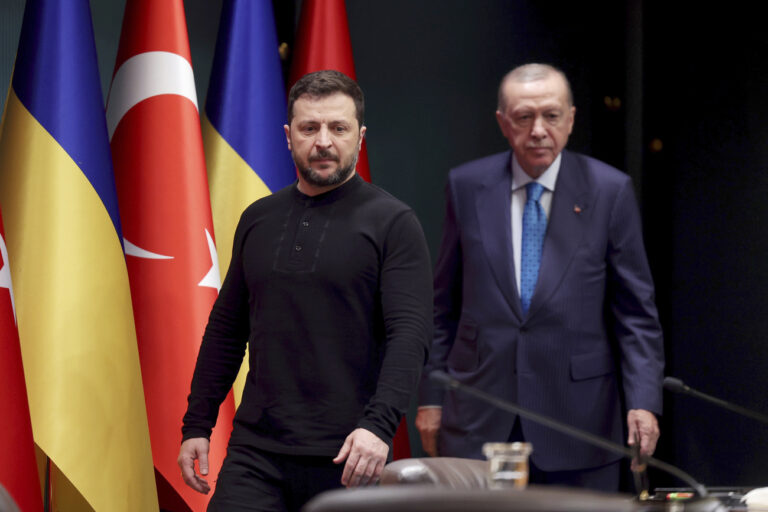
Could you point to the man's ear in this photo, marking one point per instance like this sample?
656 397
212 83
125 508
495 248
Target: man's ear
287 135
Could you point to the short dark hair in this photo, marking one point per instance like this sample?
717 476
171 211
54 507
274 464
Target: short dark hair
327 82
531 73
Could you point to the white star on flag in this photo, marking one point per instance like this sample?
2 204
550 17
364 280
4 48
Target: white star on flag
213 278
5 275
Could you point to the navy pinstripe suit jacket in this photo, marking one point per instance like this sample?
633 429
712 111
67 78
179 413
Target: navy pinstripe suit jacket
590 346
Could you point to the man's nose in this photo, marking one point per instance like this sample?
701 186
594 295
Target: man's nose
537 130
323 139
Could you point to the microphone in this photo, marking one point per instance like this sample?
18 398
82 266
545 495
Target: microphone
677 386
440 377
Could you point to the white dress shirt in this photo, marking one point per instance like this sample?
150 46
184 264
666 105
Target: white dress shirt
519 180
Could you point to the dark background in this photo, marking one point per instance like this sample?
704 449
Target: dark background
672 92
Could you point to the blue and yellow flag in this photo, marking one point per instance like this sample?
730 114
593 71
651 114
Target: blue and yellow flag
73 303
245 148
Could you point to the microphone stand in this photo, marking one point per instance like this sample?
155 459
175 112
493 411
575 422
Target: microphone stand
449 382
677 386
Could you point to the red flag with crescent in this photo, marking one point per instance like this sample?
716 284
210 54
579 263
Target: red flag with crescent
154 127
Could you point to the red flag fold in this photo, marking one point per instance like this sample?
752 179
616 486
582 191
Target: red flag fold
322 42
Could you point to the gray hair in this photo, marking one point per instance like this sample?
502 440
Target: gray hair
531 73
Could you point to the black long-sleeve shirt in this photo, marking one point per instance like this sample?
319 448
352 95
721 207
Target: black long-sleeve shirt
333 293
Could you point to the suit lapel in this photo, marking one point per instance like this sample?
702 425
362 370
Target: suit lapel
493 199
568 220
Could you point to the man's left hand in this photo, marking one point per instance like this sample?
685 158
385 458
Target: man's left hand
366 456
642 425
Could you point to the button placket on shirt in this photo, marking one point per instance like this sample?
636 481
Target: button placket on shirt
301 234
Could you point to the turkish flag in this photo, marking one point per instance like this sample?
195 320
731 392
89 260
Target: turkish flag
165 211
18 474
322 42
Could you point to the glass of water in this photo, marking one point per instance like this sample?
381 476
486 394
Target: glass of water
508 464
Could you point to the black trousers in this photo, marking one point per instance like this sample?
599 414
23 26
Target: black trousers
602 478
255 480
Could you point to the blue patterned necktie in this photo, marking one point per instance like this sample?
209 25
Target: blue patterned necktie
534 227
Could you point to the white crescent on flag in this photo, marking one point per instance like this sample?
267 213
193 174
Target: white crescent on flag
170 74
153 122
211 280
146 75
138 252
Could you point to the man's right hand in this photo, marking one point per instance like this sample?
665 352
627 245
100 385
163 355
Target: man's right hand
428 423
193 449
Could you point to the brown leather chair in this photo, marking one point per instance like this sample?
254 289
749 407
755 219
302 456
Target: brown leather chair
446 484
431 498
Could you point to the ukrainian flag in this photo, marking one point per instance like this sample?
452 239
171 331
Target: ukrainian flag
245 148
246 152
73 303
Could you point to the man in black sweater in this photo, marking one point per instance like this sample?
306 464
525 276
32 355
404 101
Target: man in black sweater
330 285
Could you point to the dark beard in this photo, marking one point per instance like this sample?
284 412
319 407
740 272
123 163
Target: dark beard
339 176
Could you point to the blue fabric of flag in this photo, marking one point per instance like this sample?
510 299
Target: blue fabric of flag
246 95
57 79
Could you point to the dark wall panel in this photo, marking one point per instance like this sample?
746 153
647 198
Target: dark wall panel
430 71
706 78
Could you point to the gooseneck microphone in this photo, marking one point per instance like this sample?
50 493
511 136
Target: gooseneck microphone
449 382
677 386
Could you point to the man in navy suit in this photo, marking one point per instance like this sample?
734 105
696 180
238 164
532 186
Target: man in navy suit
582 342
